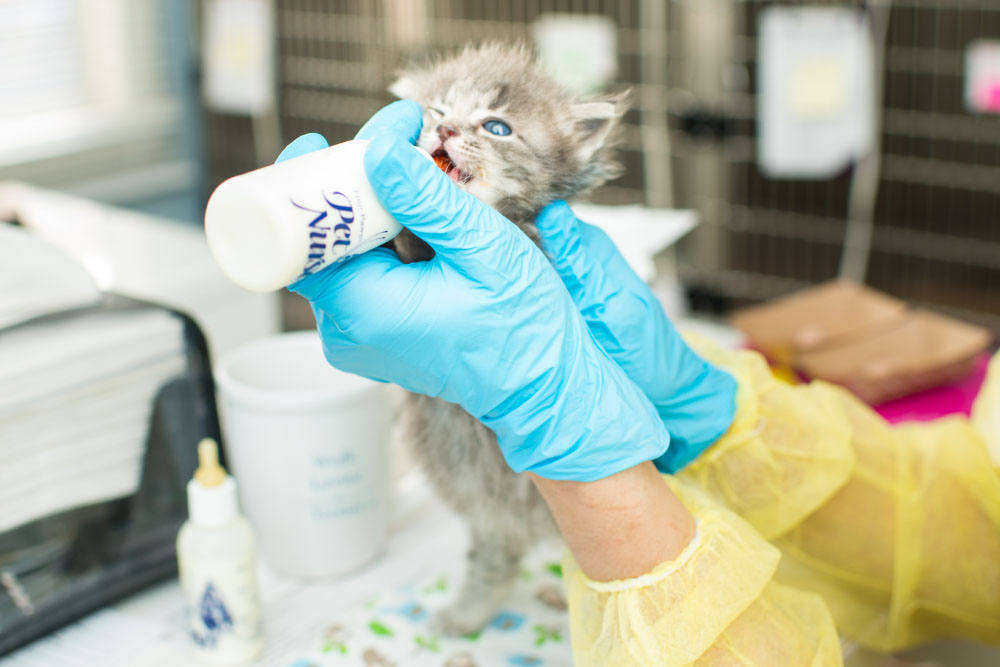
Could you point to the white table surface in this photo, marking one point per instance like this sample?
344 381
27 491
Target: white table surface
146 630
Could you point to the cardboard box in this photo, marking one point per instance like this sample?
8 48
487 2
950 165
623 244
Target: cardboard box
921 351
862 339
831 314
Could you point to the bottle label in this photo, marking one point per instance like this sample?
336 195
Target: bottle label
221 605
336 228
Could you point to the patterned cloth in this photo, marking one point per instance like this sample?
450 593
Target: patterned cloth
391 630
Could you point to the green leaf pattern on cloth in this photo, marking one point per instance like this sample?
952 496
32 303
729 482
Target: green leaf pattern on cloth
392 629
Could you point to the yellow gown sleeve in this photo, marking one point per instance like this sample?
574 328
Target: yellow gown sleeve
896 527
715 604
908 550
986 411
786 452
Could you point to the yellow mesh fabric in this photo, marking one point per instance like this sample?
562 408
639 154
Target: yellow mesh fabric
714 604
986 410
909 549
786 452
897 528
955 519
783 626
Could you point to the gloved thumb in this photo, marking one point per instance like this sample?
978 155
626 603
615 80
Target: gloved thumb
559 230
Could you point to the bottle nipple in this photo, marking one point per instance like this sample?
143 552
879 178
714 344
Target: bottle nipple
209 472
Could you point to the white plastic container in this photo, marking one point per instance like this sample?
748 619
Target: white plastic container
217 564
309 445
271 226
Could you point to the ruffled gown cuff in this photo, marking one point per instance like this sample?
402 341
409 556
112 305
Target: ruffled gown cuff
714 604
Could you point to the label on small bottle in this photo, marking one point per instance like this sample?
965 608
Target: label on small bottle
222 607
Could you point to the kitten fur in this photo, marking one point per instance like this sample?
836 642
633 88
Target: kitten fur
559 147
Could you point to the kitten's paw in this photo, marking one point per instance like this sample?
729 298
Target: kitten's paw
552 596
459 621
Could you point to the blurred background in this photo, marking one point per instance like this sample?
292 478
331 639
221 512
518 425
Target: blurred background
813 140
99 98
104 98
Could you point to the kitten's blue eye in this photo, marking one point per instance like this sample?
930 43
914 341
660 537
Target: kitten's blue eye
496 127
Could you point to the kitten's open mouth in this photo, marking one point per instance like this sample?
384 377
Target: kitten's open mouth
448 166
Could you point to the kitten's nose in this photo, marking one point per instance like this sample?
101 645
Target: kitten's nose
446 131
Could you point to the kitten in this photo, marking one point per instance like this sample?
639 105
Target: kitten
516 140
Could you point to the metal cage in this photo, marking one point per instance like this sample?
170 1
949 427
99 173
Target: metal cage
689 139
935 232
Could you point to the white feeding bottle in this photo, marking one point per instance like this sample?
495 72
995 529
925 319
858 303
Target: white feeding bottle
271 226
217 562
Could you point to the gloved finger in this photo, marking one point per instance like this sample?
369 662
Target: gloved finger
324 288
568 243
602 250
402 118
307 143
558 228
455 224
560 234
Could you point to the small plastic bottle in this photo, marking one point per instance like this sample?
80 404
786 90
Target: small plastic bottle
217 561
271 226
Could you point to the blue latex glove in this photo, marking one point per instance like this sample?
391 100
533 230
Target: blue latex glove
695 400
486 324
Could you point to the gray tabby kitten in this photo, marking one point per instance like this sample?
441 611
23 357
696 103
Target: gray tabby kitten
512 137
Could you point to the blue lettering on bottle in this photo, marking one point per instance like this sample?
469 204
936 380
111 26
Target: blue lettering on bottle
320 231
339 202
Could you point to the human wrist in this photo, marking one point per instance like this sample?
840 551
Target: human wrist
620 526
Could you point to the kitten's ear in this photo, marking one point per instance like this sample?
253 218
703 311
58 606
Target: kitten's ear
406 86
593 122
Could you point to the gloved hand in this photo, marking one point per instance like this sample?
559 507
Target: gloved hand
486 323
695 400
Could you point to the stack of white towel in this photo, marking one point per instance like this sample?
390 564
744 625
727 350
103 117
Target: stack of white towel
76 392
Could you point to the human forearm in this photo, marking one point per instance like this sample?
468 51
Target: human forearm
620 526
